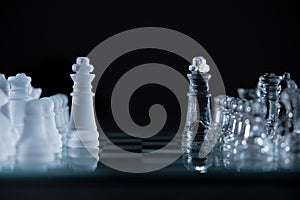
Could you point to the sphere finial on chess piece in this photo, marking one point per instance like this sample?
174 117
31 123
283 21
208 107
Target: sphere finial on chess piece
199 65
82 65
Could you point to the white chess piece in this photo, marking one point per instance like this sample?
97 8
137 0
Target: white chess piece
65 108
5 88
18 97
62 113
34 151
83 129
35 93
58 118
53 135
7 142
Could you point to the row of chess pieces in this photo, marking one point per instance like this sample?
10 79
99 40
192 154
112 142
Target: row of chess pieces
258 130
34 131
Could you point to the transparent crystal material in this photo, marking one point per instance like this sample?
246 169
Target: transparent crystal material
260 130
269 90
198 116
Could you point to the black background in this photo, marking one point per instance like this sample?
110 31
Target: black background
244 39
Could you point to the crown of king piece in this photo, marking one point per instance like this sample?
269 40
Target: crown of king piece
82 65
199 65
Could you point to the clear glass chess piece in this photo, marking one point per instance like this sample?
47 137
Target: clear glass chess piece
269 90
253 149
198 116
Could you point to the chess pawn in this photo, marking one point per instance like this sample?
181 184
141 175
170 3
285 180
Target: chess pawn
18 97
59 118
34 151
7 141
53 135
4 86
83 129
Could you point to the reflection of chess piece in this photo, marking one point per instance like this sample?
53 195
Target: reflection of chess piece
34 151
198 115
83 129
18 97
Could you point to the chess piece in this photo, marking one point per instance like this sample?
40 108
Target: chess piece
65 108
59 118
269 90
83 129
198 115
4 86
34 151
18 97
35 93
53 135
7 140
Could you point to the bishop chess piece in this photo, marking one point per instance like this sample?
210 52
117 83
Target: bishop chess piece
18 98
83 129
198 115
34 151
